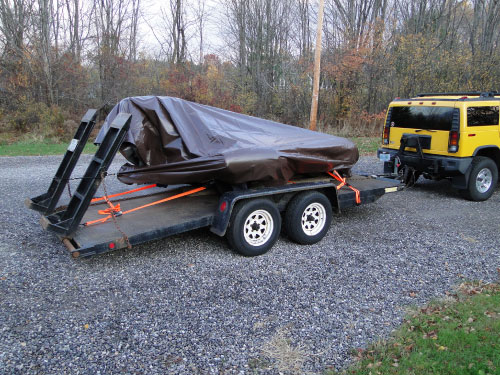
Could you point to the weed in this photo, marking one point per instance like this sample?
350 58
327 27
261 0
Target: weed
288 358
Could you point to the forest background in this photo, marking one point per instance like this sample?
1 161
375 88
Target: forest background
60 57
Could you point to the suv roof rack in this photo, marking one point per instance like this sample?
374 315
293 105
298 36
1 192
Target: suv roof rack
484 94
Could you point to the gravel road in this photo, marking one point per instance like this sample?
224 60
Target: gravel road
189 305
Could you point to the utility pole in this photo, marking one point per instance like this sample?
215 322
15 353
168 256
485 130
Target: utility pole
317 61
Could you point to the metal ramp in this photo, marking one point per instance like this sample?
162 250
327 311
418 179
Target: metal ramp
47 202
66 221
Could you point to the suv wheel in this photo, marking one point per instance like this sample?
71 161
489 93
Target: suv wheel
482 180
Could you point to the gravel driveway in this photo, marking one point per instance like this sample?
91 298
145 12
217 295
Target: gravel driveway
189 305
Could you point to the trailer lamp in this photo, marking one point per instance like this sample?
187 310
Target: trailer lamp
111 245
223 206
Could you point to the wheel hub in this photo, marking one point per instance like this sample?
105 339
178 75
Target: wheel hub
255 226
483 180
258 228
313 219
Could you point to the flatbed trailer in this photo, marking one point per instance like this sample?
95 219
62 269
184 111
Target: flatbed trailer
250 217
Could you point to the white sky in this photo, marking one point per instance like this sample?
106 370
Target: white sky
152 18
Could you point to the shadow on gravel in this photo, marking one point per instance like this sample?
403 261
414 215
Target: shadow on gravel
441 188
186 245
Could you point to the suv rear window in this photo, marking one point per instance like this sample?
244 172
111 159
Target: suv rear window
422 117
482 116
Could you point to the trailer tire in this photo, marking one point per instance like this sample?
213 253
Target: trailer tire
308 217
254 227
483 179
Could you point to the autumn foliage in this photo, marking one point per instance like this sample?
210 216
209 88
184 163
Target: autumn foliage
372 52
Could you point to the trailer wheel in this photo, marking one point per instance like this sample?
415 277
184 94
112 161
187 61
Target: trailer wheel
255 226
308 217
482 180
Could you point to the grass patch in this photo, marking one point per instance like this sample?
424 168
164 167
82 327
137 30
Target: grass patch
367 145
32 148
459 335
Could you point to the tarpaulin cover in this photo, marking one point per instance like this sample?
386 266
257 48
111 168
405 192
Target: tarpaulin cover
174 141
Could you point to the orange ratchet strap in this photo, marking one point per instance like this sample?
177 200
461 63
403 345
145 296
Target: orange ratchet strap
343 182
123 193
111 211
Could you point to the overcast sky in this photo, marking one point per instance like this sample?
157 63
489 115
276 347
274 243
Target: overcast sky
152 19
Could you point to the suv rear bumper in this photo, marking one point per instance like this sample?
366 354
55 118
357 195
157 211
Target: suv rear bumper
437 165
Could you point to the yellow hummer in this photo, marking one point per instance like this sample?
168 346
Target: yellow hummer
445 135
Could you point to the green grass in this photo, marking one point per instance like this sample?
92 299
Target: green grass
31 148
460 335
367 145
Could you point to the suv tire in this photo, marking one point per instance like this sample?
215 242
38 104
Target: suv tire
482 179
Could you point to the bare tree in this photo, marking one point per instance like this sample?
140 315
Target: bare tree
304 15
115 23
201 14
14 21
178 31
47 38
74 9
134 25
260 32
173 32
484 26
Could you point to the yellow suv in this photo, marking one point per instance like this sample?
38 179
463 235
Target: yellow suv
445 135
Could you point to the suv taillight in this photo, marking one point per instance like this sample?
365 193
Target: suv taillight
454 132
385 138
387 127
453 141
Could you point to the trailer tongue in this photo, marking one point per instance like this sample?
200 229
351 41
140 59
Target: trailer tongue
249 215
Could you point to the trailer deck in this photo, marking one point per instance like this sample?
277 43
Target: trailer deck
155 222
191 212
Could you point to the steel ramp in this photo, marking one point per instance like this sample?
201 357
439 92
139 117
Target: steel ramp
66 221
47 202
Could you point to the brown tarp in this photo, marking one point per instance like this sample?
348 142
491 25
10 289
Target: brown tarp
174 141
